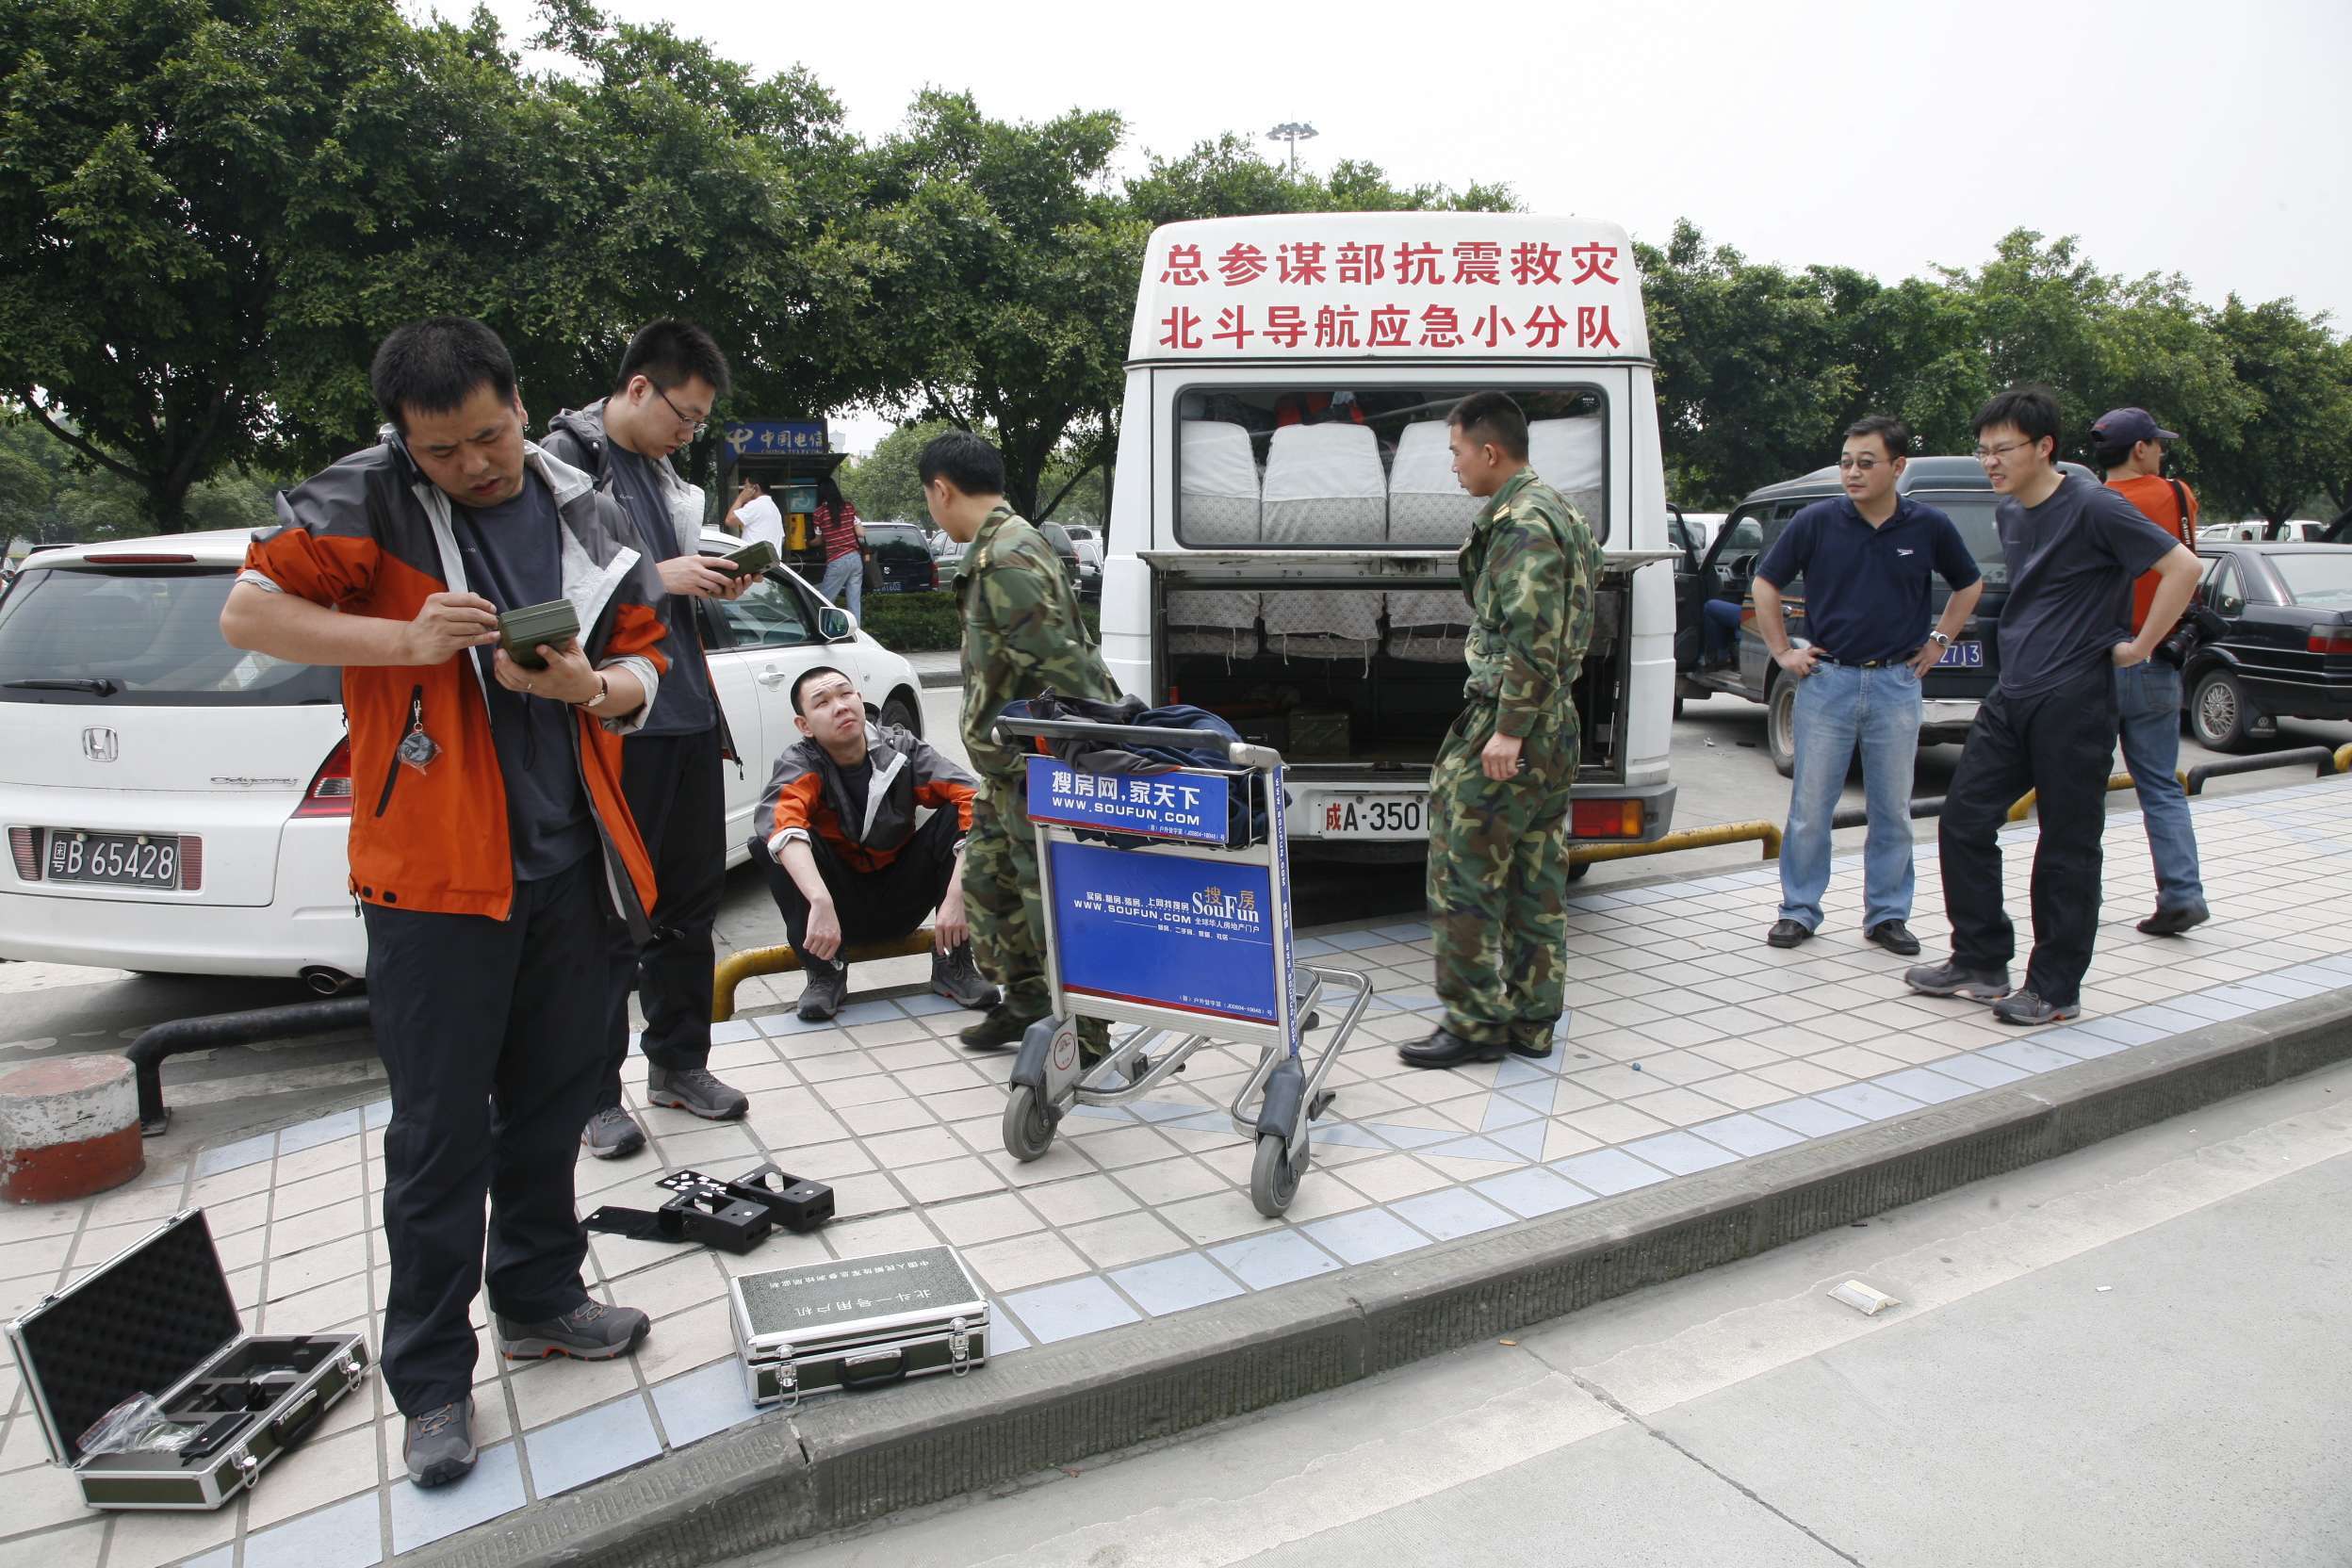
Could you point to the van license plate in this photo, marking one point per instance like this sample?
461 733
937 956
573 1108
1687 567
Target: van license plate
1962 656
1375 816
120 859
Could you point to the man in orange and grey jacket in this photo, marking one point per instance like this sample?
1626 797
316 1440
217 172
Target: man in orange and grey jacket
843 857
485 862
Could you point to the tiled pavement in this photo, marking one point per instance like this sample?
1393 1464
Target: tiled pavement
1693 1045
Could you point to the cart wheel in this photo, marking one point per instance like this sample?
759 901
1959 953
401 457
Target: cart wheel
1028 1124
1273 1178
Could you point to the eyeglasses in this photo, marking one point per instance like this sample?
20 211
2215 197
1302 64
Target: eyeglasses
1864 464
696 426
1985 455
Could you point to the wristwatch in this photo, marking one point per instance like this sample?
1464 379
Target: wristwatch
1939 639
604 689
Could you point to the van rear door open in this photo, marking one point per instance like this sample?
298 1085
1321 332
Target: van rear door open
1291 562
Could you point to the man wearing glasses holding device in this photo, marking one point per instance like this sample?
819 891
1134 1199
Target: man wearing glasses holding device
2073 547
1866 561
670 376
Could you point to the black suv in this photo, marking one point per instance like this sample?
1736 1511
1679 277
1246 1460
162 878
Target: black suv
1956 486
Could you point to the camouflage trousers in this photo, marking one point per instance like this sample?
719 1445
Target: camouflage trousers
1005 901
1498 881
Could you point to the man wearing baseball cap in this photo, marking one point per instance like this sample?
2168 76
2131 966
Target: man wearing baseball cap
2130 446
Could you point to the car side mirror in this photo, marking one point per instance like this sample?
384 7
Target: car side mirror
836 626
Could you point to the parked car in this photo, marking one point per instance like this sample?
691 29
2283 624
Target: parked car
898 560
2294 530
1692 532
1090 565
1955 485
1067 549
173 803
2287 652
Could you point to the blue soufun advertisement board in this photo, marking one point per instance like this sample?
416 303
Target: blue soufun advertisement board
1189 805
1194 934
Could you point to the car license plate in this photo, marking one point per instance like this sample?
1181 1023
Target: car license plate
120 859
1375 816
1963 656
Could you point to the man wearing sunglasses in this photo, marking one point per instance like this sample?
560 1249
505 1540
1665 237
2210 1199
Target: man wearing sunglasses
2074 547
1865 560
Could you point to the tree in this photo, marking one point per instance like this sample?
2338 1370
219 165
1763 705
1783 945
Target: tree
2295 447
154 160
884 485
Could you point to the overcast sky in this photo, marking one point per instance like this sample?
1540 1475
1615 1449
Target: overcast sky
2212 139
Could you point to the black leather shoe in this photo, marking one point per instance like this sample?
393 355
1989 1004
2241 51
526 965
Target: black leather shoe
1537 1049
1788 933
1444 1048
1895 937
1001 1030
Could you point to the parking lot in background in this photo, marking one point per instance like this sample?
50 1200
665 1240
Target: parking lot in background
1721 766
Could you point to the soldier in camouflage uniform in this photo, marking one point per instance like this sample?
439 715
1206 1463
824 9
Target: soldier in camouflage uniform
1022 634
1498 795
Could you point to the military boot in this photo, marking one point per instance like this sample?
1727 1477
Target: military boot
956 976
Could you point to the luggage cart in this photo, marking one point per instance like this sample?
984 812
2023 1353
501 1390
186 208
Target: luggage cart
1185 937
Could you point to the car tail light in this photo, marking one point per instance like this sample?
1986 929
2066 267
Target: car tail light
330 791
142 559
24 843
1605 819
2329 639
191 863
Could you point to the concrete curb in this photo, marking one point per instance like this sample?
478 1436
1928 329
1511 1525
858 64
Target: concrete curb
934 680
848 1461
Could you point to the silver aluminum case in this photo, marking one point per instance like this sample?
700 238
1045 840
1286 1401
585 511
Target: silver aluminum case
857 1349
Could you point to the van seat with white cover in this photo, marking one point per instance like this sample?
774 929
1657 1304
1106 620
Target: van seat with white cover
1325 487
1217 502
1428 509
1569 455
1223 623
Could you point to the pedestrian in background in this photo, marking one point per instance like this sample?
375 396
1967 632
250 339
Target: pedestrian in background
842 537
754 515
1022 636
1865 560
2129 446
2073 548
1498 793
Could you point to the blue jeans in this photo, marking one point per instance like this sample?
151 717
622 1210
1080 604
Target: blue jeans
845 581
1719 630
2147 703
1839 706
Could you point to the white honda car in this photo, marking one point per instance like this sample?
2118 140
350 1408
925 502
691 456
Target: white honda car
174 805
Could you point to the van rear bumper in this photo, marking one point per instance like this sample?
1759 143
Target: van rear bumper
1658 820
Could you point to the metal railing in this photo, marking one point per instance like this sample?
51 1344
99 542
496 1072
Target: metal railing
736 968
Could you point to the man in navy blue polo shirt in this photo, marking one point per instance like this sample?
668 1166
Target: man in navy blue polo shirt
1865 560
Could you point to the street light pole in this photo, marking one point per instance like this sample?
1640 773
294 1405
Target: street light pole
1294 132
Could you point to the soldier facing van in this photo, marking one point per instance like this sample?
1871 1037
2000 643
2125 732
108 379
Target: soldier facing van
1498 795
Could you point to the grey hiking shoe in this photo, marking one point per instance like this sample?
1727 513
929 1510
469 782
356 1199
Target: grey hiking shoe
827 989
439 1444
693 1088
956 976
1950 978
590 1331
2026 1008
612 1134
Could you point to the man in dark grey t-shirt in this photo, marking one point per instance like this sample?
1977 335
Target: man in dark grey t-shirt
2074 548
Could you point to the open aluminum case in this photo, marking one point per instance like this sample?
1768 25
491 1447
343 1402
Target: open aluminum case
858 1323
157 1318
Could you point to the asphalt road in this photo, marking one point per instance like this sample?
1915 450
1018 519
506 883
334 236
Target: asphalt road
2130 1355
1720 764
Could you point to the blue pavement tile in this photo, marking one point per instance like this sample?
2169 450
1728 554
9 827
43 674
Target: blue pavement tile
1529 1193
1346 1134
1972 1068
377 1115
1166 1110
1608 1171
2246 998
928 1004
591 1446
2209 1006
2171 1020
349 1535
1810 1117
1536 1097
1526 1142
866 1012
420 1518
1595 904
1926 1087
237 1155
1218 1121
1417 932
733 1030
1868 1100
2078 1042
1679 1153
1747 1135
1503 1111
2284 987
2117 1030
1477 1149
778 1025
702 1402
1004 1335
1410 1137
1312 947
2314 974
2025 1054
1353 942
1515 1071
1452 1211
1413 1002
1075 1307
1178 1283
1104 1113
2340 962
1364 1235
1275 1258
310 1134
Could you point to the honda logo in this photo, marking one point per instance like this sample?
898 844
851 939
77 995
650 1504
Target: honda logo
100 746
